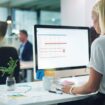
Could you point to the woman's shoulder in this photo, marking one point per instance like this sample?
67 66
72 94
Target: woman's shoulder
99 41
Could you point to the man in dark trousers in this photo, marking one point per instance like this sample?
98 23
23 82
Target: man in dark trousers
26 49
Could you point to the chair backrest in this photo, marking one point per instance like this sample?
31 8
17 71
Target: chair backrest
3 29
5 54
104 103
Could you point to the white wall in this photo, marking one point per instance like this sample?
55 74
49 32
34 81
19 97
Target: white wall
73 14
76 12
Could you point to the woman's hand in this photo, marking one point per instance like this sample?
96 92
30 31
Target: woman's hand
66 89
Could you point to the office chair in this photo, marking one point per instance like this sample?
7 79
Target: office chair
5 54
3 29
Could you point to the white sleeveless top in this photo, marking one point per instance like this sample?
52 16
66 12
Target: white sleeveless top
97 60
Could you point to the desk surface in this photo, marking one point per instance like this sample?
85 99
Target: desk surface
26 64
33 94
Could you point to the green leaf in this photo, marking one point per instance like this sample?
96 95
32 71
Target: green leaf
11 67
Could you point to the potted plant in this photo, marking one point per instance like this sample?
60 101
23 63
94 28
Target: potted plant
10 81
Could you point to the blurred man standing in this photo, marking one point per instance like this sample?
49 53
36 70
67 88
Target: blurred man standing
26 48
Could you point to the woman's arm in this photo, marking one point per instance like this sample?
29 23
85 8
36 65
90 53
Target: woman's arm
91 86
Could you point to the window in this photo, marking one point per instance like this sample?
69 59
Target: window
25 20
50 18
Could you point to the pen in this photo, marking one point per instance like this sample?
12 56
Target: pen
55 92
52 91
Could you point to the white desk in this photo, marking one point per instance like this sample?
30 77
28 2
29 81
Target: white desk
36 95
28 66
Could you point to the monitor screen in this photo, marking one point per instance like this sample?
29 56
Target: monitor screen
61 47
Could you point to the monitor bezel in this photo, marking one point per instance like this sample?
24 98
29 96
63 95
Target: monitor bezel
59 27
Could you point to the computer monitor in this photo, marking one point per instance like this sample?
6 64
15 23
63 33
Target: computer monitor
61 47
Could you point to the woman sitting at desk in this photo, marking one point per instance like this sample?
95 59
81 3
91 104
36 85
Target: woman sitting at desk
96 80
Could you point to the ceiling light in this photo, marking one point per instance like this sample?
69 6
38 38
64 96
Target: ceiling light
53 19
9 20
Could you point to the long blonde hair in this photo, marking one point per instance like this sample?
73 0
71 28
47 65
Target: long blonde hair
99 8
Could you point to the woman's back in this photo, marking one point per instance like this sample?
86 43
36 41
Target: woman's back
98 59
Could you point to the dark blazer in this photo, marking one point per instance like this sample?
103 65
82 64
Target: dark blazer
27 54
